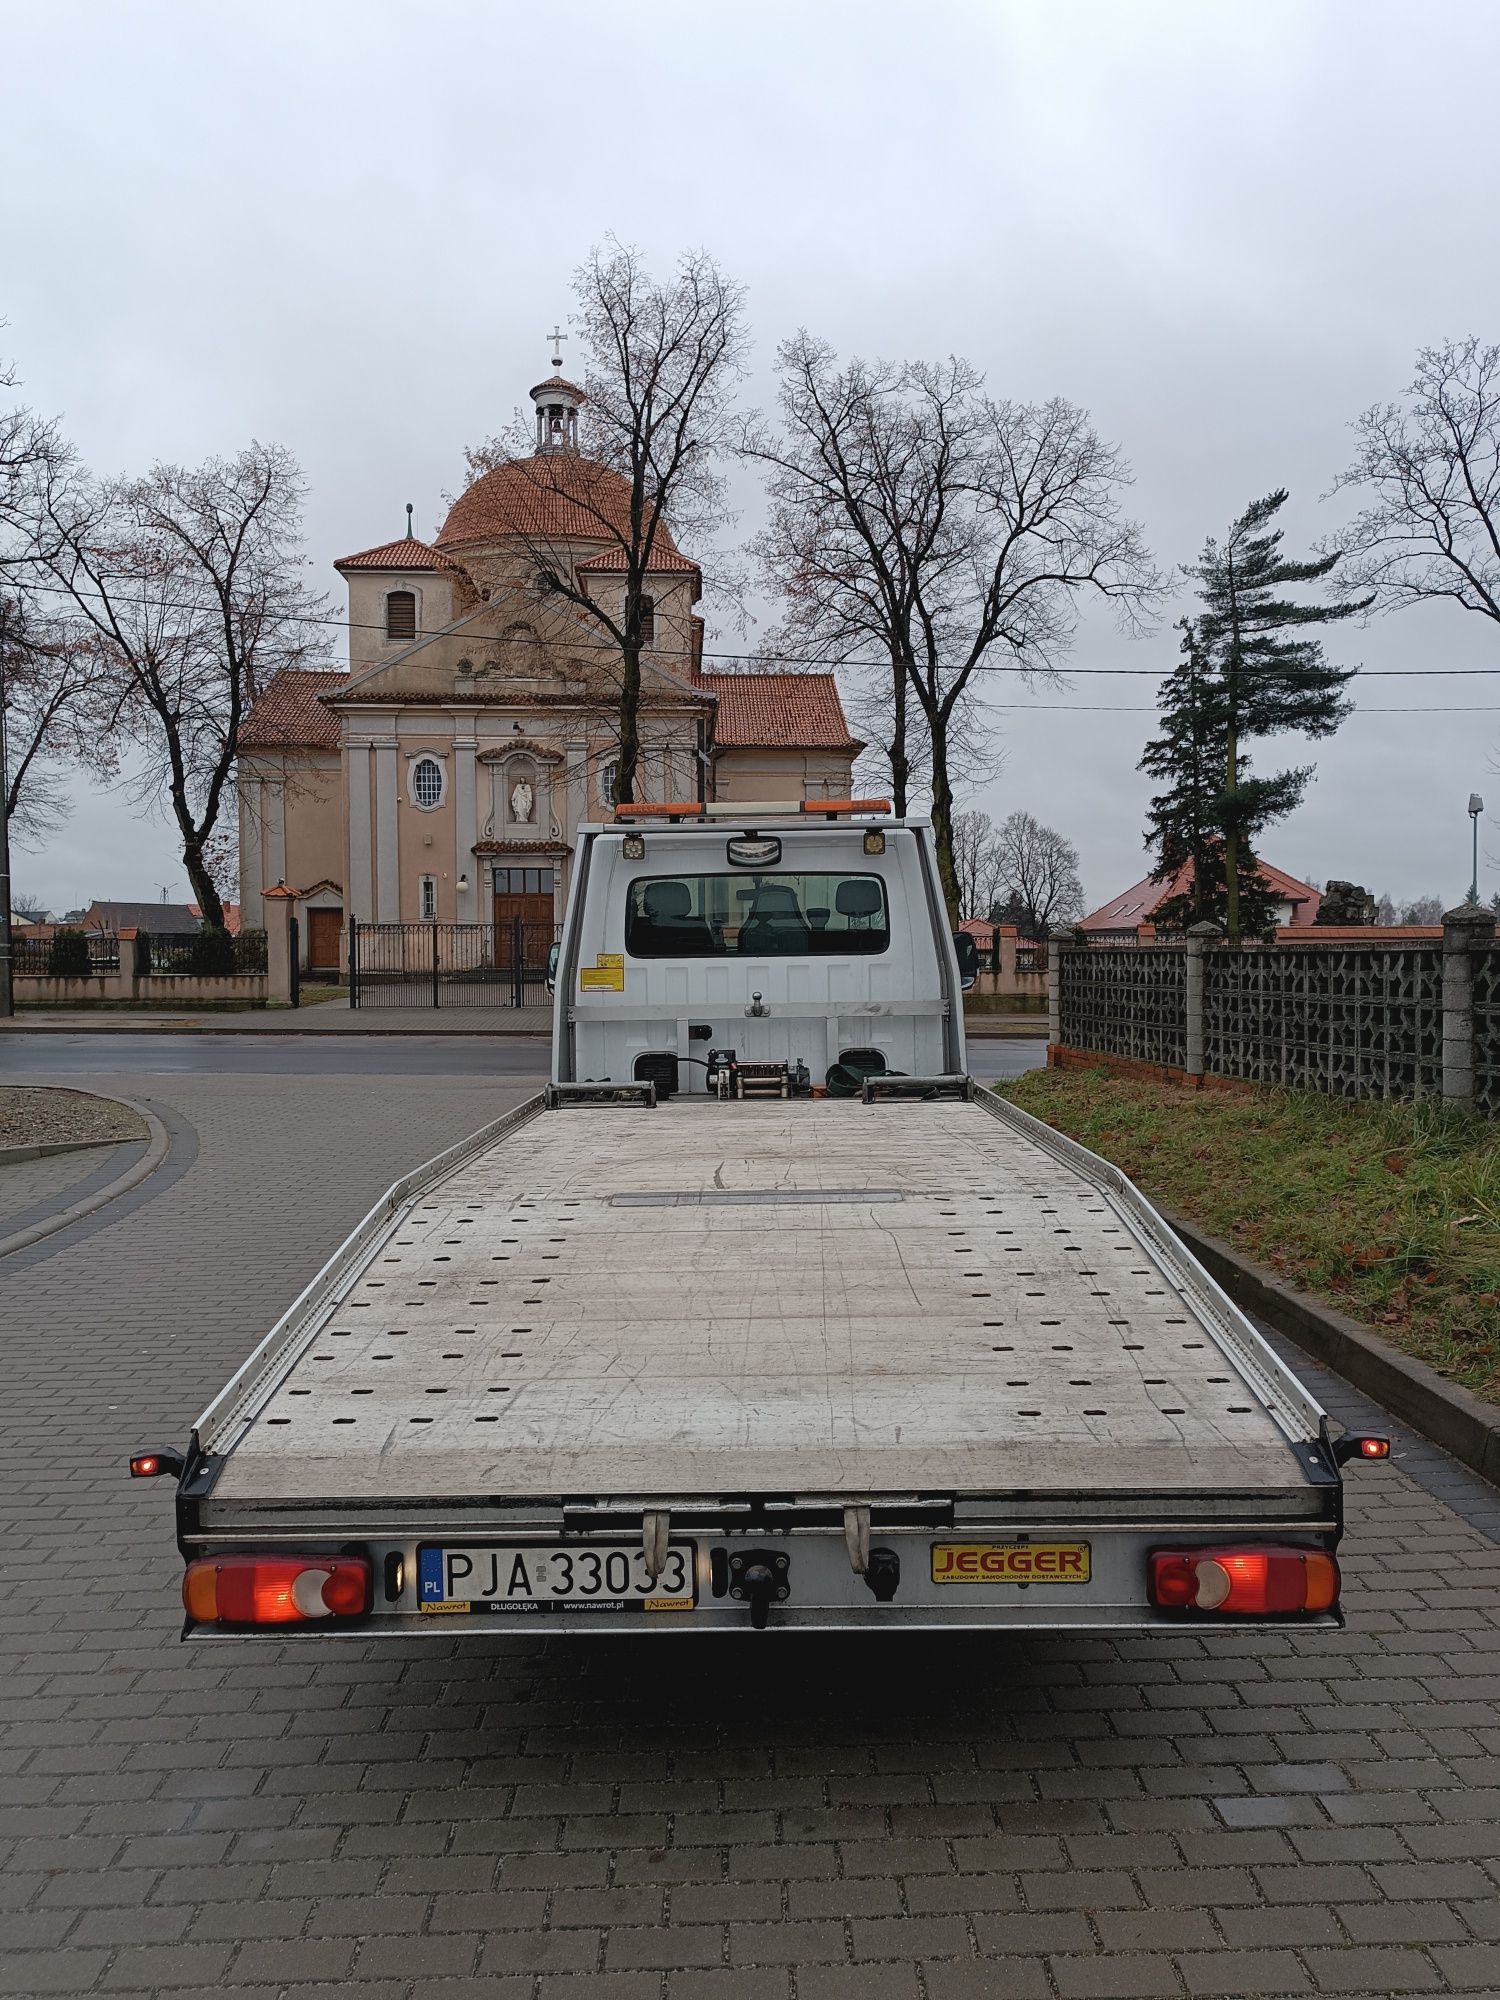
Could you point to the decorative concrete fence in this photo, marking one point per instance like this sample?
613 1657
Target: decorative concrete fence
1352 1012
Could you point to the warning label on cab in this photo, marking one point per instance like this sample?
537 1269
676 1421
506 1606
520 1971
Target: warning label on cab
1010 1562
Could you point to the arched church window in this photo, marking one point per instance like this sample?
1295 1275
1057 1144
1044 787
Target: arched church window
427 783
400 614
609 777
648 620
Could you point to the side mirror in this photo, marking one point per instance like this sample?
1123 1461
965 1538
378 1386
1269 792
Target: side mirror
967 948
553 955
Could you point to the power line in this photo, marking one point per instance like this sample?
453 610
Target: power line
793 659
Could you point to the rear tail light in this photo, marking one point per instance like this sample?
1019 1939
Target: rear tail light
276 1590
1254 1582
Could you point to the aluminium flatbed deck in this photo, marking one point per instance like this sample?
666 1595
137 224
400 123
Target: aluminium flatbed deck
698 1301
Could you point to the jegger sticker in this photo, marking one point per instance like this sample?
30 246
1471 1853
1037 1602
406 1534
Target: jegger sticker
1010 1562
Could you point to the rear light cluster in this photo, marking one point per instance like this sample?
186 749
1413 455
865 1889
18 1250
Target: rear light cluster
276 1590
1255 1582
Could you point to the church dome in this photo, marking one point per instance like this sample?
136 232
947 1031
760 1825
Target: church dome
552 496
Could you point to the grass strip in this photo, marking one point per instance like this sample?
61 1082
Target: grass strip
1389 1211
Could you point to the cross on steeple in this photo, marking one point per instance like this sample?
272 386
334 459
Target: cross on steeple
557 337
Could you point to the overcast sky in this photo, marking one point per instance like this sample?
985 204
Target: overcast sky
1224 228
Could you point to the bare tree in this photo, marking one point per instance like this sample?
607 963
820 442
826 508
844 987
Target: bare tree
189 584
54 688
976 863
1423 910
662 362
914 513
863 477
1038 872
1431 468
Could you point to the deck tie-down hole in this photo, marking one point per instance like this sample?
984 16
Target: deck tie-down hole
1003 1350
1154 1381
1060 1346
1219 1379
1176 1322
1134 1346
1192 1346
1096 1413
486 1420
500 1388
1080 1381
510 1354
278 1420
1169 1410
1028 1413
434 1392
300 1392
339 1332
343 1420
454 1355
419 1420
1018 1382
361 1392
1239 1409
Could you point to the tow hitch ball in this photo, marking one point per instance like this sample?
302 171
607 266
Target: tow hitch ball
758 1577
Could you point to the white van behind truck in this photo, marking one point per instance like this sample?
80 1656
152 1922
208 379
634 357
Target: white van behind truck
686 1342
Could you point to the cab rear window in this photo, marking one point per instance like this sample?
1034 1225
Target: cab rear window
781 915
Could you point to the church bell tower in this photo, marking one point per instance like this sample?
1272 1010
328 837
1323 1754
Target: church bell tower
557 405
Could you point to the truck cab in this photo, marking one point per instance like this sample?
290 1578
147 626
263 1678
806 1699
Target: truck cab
791 938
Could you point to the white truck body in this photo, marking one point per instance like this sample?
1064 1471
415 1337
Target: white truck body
806 1364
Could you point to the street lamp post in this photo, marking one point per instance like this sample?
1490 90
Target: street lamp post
1476 807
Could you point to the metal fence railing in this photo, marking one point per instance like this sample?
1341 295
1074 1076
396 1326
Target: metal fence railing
450 965
205 954
68 954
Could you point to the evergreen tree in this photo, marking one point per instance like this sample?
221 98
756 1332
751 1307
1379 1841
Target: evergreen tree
1262 680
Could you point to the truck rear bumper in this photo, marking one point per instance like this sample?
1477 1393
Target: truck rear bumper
1084 1576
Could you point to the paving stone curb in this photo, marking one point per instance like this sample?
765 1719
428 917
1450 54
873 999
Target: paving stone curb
14 1155
1462 1423
158 1144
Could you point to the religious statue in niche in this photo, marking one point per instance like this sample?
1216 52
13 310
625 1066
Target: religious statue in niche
522 800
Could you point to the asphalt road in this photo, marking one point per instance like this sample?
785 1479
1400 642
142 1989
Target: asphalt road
199 1054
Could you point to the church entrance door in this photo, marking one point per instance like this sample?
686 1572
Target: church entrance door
524 926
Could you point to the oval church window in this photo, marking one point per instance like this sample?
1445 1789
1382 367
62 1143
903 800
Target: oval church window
427 783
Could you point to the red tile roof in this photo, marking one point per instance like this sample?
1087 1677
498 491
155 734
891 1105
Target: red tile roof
405 554
1138 904
554 495
661 559
291 712
779 712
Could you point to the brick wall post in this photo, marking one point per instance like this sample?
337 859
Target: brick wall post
1199 938
280 902
1466 930
121 985
1054 991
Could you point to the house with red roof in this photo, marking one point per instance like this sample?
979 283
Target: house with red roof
1122 916
444 774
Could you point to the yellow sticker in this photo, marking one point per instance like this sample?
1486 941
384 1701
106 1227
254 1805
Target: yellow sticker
601 979
610 958
1010 1562
666 1604
449 1604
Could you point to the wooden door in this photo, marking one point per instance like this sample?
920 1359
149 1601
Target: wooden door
324 934
535 913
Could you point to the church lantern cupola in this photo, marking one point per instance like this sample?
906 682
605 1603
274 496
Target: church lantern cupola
557 405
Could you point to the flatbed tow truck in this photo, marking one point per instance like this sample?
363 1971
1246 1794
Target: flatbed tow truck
684 1343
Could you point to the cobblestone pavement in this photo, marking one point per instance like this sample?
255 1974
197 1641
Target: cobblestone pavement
1247 1814
28 1186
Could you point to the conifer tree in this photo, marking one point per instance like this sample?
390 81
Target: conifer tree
1185 822
1261 679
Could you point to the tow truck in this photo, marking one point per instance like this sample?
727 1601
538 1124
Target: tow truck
763 1315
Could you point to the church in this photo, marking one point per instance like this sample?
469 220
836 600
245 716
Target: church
443 776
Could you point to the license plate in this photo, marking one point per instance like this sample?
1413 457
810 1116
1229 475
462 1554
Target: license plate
570 1576
1010 1562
